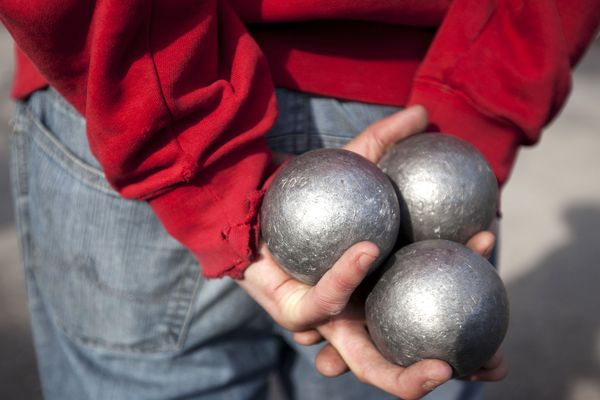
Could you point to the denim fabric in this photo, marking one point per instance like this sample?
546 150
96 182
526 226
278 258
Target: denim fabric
119 309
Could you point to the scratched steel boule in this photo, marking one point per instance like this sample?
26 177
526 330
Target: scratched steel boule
320 204
438 299
447 189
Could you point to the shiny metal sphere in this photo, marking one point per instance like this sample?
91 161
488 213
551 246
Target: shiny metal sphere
447 189
320 204
440 300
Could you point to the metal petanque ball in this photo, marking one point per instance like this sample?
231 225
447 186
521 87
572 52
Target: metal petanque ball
447 189
320 204
439 300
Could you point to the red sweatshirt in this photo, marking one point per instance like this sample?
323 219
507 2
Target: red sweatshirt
178 94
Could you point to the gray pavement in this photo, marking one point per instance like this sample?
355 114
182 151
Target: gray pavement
550 258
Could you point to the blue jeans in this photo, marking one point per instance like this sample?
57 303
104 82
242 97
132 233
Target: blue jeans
119 309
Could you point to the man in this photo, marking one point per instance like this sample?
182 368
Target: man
177 99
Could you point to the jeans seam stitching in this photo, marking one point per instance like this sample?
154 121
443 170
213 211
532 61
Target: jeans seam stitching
67 160
59 145
61 105
189 306
176 309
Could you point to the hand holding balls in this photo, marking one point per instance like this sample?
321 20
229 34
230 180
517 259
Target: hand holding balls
438 299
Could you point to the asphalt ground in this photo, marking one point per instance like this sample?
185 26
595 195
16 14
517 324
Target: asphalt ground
549 258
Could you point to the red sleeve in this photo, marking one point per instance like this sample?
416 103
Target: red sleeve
498 71
177 98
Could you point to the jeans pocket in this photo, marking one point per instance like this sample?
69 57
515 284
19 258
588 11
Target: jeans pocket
109 274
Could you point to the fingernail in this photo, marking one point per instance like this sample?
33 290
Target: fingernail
430 385
488 251
365 260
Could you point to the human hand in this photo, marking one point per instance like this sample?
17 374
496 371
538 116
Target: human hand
301 308
496 368
341 354
297 306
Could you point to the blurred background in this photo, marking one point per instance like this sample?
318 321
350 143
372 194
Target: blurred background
549 259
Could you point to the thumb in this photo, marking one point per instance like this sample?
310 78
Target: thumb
332 292
378 137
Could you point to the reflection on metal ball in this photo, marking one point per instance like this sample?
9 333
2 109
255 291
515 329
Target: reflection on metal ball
440 300
320 204
447 189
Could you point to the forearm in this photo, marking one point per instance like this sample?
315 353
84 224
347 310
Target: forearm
498 71
177 98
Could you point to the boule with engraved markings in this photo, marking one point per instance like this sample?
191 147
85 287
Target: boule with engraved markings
320 204
438 299
447 188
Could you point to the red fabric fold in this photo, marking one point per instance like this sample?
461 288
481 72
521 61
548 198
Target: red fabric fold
178 95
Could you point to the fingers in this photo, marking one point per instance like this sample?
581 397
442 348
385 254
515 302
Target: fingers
268 285
297 306
482 243
331 294
495 361
329 362
358 352
308 338
377 138
495 369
